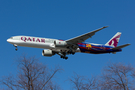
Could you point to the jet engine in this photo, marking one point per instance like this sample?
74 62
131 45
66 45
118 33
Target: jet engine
48 53
60 43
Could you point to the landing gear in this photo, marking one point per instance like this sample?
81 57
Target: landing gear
71 52
15 47
63 55
71 49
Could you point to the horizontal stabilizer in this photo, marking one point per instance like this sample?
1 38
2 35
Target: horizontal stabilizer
122 46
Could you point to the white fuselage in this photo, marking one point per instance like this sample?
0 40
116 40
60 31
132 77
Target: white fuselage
35 42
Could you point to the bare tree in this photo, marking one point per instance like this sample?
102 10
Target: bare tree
116 76
83 83
32 75
133 79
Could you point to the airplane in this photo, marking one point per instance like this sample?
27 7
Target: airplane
71 46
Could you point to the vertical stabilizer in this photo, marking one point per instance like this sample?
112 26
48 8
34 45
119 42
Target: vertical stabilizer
114 40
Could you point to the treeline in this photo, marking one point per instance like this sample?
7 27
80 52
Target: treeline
115 76
33 75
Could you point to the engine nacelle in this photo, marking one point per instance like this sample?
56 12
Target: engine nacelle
48 53
60 43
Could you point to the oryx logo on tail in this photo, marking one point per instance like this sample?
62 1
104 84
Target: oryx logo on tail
114 40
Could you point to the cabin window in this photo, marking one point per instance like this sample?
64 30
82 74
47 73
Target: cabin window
46 40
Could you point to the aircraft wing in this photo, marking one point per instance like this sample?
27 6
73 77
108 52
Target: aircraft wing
122 46
83 37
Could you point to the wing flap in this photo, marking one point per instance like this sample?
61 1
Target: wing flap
83 37
122 46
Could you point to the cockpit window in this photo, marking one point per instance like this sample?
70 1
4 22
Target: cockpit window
11 38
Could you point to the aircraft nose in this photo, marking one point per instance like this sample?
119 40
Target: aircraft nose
8 40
